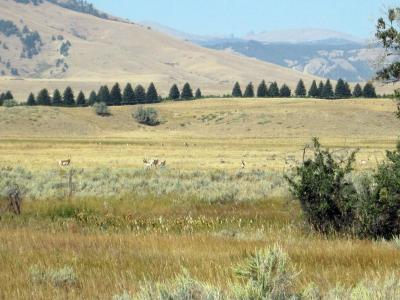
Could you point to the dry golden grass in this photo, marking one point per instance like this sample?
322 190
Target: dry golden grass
110 255
220 133
109 262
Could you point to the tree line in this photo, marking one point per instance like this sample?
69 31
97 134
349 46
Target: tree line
322 90
113 97
6 96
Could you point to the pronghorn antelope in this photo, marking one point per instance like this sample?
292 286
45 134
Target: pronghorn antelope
151 163
243 164
163 164
64 163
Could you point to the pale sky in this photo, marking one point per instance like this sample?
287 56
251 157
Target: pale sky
238 17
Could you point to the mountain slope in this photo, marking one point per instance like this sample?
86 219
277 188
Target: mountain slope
319 52
48 41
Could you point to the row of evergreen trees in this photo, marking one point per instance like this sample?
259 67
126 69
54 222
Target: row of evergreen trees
6 96
323 90
128 96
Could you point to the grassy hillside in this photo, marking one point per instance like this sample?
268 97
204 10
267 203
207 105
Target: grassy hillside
117 224
220 133
105 50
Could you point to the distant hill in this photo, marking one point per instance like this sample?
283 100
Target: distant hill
348 60
71 41
318 52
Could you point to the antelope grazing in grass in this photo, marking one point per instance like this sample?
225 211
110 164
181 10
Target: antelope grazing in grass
151 163
64 163
243 164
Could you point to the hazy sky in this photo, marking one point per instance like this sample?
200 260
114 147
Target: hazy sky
224 17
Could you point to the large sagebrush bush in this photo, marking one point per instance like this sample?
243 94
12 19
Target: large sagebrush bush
331 202
326 195
268 274
147 116
378 209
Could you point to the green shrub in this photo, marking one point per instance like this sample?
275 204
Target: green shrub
10 103
268 274
326 195
146 116
182 288
378 208
101 109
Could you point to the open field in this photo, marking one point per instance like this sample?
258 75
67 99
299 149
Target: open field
124 225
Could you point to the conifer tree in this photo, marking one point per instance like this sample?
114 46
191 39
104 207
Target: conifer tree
262 90
327 92
115 95
320 89
357 92
128 96
198 94
68 97
347 90
249 91
81 99
31 100
273 90
285 91
8 96
43 98
237 91
313 92
301 89
92 98
57 98
104 94
187 92
369 90
340 90
152 95
140 94
174 93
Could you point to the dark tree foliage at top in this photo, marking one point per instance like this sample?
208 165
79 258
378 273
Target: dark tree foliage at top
103 94
57 98
313 91
198 94
327 92
237 91
249 91
388 35
115 95
262 90
81 99
68 97
31 100
128 96
320 89
369 91
340 90
140 94
43 97
273 90
357 92
92 98
301 89
187 92
174 93
152 94
285 91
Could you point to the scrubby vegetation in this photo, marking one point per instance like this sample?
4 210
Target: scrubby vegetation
332 201
147 116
